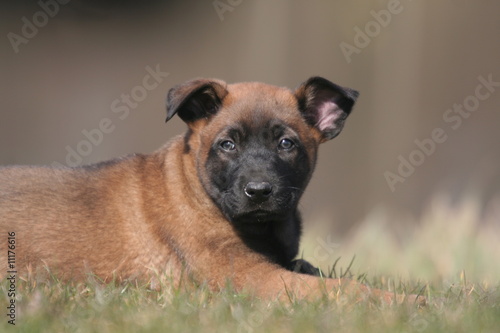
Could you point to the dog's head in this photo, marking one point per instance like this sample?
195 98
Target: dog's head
254 144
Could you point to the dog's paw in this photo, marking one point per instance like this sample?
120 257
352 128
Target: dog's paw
304 267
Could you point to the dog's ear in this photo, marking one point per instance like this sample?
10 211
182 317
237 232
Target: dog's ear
195 99
325 105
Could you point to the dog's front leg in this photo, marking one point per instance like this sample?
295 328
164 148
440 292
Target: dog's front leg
227 261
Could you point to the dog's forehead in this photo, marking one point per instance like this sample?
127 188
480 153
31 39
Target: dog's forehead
256 100
258 107
255 89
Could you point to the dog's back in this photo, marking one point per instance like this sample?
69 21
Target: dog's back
78 219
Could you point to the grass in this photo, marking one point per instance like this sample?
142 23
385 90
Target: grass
452 256
53 306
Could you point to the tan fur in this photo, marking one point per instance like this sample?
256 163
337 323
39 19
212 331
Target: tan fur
133 217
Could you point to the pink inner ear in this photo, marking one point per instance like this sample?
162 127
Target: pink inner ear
329 114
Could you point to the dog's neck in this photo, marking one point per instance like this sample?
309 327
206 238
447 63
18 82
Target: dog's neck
276 239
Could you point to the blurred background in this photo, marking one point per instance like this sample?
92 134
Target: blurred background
420 66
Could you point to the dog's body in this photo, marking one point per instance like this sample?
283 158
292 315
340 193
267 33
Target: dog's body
220 201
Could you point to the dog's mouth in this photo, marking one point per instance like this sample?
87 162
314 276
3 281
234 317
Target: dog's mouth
247 212
257 216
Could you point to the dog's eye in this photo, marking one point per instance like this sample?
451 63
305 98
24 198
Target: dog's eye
227 145
286 144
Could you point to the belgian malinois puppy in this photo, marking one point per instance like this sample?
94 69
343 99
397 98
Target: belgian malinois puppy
219 201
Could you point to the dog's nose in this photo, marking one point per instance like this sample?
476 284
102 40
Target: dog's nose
258 191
